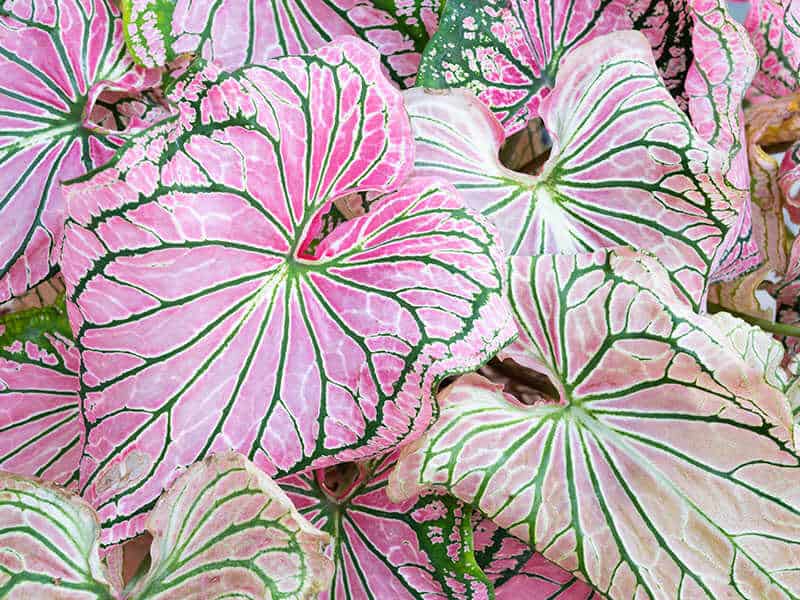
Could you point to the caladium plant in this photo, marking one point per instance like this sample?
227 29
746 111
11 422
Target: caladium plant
224 529
473 329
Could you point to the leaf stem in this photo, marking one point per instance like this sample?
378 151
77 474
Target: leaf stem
770 326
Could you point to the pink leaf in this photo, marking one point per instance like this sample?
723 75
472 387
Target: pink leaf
665 469
416 549
41 431
206 323
55 57
234 33
775 31
225 529
626 167
50 546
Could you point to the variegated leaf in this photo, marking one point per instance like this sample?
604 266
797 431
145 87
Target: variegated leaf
626 168
193 292
420 548
774 29
224 529
509 53
49 545
54 58
518 572
44 294
789 181
236 33
663 470
41 429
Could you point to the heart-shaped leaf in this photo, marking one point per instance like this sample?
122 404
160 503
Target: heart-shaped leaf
49 545
40 424
663 469
296 360
626 168
510 55
52 58
518 572
234 34
223 530
774 28
420 548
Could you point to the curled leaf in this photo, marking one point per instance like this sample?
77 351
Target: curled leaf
49 546
194 292
41 430
225 529
654 472
775 32
417 549
626 168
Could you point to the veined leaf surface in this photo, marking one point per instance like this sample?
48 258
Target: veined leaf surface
41 429
663 469
224 529
236 33
626 168
774 28
205 324
509 53
53 56
517 571
417 549
49 544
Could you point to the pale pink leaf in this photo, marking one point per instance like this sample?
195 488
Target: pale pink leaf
665 468
509 53
224 529
49 544
206 323
626 167
236 33
417 549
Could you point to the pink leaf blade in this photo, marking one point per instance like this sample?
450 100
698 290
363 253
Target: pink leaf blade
665 437
41 430
50 541
194 293
627 168
420 548
225 528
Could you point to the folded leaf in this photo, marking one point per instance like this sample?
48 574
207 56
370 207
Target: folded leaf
509 53
420 548
239 33
48 544
52 59
224 529
206 324
720 74
663 470
41 430
626 167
